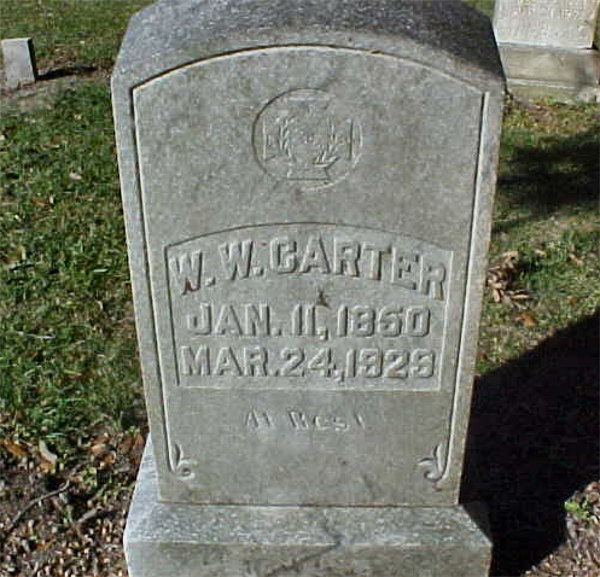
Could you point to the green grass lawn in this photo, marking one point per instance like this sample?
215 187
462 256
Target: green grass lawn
69 32
67 344
546 211
67 348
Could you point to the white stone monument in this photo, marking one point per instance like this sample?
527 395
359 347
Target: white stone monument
308 190
547 47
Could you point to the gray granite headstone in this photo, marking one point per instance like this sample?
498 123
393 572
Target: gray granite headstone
308 190
547 47
19 62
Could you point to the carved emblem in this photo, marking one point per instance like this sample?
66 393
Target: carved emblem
307 136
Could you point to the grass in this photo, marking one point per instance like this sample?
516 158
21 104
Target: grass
67 344
67 347
546 210
580 509
486 6
87 33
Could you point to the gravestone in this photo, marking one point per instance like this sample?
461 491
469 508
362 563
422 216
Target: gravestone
19 62
308 191
547 47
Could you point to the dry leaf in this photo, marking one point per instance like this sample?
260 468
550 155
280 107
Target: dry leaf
528 319
109 459
126 444
137 450
98 449
139 443
501 277
75 176
14 449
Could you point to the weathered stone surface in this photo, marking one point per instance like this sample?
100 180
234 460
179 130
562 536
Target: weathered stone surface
19 62
308 190
186 540
559 23
546 48
535 72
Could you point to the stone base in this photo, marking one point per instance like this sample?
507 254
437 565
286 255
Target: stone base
180 540
539 72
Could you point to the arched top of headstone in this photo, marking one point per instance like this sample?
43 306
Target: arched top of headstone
444 34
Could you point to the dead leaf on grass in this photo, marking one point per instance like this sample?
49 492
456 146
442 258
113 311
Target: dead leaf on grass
15 449
501 278
528 319
98 449
126 444
137 450
108 459
38 201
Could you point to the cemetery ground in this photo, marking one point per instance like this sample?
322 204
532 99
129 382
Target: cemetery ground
72 419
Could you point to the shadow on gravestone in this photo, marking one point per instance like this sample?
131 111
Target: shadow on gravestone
533 441
539 180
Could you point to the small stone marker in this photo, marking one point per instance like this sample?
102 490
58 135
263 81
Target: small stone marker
547 47
308 191
19 62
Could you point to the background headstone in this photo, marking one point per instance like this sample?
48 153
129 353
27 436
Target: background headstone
559 23
19 62
547 47
308 191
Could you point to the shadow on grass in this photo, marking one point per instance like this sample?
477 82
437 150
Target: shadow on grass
76 70
533 441
564 171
